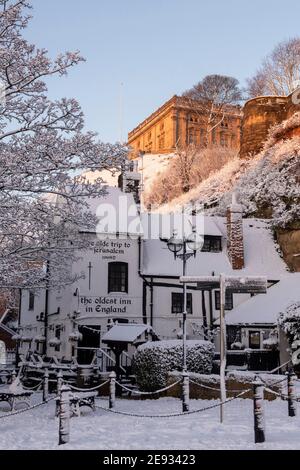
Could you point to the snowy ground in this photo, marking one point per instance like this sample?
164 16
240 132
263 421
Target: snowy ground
38 429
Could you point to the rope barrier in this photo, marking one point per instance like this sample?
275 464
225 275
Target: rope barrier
110 410
137 392
212 388
77 389
272 385
27 409
35 387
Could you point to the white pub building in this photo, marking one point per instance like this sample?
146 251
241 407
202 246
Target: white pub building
130 277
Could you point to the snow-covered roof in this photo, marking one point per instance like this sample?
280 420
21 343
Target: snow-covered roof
265 308
116 212
261 256
125 333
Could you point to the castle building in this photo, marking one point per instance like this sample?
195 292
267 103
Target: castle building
260 115
180 122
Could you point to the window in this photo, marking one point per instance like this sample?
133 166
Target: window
202 136
117 277
222 139
214 137
161 143
254 339
31 300
228 300
177 303
58 336
192 137
212 244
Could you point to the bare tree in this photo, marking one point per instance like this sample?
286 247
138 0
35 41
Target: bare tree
212 97
188 168
279 73
43 150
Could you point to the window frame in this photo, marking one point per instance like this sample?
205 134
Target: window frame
110 281
212 244
228 300
250 333
174 304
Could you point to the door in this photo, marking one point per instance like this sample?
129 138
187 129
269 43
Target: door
90 342
254 339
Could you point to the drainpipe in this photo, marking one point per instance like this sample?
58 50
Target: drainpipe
46 307
151 302
211 318
19 324
145 302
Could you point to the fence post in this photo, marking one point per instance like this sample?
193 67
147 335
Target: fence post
64 415
112 389
46 385
185 392
291 392
59 381
13 376
259 421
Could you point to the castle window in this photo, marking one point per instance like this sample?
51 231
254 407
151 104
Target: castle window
117 277
149 136
214 137
228 300
162 126
161 143
202 137
177 303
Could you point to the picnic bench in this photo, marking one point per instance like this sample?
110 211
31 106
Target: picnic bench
22 396
78 400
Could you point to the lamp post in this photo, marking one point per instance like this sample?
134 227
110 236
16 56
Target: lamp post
179 247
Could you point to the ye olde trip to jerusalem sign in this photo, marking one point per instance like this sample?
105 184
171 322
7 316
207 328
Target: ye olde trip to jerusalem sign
107 305
109 249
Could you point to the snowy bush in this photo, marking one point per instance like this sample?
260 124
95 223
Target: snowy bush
154 360
290 322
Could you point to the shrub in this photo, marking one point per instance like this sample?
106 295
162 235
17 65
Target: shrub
154 360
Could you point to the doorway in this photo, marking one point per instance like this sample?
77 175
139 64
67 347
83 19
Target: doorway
91 336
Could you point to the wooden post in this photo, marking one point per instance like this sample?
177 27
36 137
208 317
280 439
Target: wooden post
222 345
291 393
46 385
185 392
64 415
112 389
59 381
259 421
13 376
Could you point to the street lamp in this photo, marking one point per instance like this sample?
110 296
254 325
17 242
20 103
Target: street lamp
179 247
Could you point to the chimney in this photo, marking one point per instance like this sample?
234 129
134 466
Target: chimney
235 239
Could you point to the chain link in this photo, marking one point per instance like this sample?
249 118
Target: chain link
14 413
137 392
174 415
77 389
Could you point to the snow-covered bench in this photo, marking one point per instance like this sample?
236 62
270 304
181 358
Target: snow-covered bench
77 400
16 397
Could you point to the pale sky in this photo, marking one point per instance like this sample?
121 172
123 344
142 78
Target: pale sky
153 49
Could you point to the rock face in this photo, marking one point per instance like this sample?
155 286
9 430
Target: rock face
289 241
259 115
